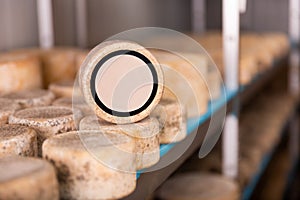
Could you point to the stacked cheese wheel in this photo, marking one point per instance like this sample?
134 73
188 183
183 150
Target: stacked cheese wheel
260 128
81 175
184 81
42 66
198 186
34 121
257 51
27 178
133 121
19 72
38 123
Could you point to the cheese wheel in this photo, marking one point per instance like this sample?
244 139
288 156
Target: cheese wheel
80 57
172 118
27 178
210 163
31 98
62 88
81 174
185 81
198 186
246 172
255 45
215 83
276 43
217 57
209 40
19 72
47 121
248 68
145 134
73 103
7 107
58 64
121 81
282 40
17 140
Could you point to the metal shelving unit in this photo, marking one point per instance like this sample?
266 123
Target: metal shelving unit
148 182
249 189
235 96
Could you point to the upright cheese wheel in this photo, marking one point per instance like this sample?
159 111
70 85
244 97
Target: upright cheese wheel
31 98
73 103
144 133
82 175
19 72
17 140
172 118
7 107
58 65
47 121
121 81
198 186
27 178
185 81
62 88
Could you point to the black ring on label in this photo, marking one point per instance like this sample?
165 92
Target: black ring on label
118 113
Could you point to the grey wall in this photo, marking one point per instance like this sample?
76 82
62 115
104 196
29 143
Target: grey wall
18 24
107 17
64 22
261 15
18 18
266 15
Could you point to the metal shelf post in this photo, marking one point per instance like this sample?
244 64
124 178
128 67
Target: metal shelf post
45 23
294 61
231 26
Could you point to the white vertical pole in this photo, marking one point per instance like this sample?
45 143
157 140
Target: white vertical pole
294 14
231 27
294 33
243 6
294 62
230 146
45 23
81 23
